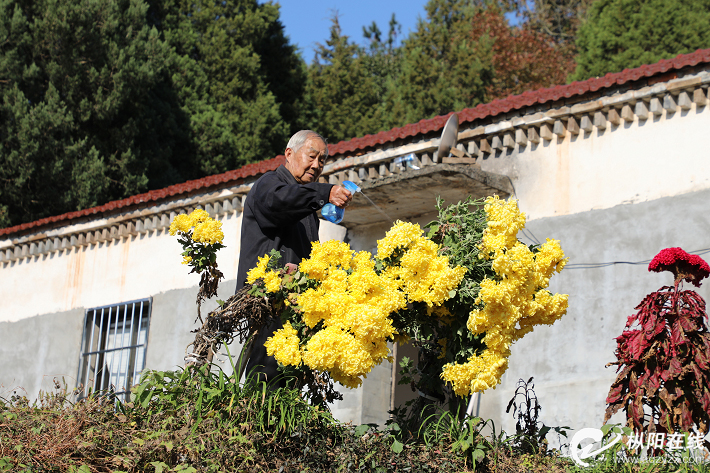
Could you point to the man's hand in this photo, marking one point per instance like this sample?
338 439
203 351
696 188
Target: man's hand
340 196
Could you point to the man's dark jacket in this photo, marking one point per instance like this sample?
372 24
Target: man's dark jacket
279 213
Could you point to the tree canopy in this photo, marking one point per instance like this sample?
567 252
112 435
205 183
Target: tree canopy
443 67
620 34
84 115
341 96
102 99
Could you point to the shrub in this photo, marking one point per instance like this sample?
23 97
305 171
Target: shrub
663 355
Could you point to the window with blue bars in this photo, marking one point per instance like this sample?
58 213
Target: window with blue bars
113 347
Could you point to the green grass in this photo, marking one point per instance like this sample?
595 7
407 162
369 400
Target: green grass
200 421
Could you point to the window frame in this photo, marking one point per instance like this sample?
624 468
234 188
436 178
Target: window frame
106 322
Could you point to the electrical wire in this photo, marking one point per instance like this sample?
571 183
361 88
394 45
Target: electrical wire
613 263
526 232
530 236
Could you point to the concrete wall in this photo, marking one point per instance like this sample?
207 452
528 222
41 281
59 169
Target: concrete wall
38 349
172 320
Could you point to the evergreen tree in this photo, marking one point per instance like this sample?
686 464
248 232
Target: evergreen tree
383 62
556 19
620 34
443 67
84 114
341 96
236 66
102 99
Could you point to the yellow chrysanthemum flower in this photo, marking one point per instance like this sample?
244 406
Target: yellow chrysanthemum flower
284 345
209 231
401 235
182 223
272 281
333 348
325 256
206 229
504 222
259 270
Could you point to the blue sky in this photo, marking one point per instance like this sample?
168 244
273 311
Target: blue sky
307 22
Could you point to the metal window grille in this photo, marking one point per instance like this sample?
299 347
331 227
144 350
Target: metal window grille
113 347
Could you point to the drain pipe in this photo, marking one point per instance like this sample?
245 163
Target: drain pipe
474 401
393 385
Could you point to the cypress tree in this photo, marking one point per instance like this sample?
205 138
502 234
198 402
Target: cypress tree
236 67
443 67
84 113
102 99
620 34
341 96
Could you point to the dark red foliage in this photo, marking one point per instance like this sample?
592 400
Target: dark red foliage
663 361
683 265
523 59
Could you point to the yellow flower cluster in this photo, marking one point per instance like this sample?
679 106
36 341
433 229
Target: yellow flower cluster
206 229
422 274
325 256
209 232
401 235
504 222
513 303
353 306
354 303
272 281
284 345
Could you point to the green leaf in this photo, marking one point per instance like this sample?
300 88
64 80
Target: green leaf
397 446
185 469
159 466
606 428
361 430
478 455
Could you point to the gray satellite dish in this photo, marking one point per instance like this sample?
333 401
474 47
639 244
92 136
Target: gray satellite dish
448 137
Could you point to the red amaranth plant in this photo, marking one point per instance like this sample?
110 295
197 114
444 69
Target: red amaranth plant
663 355
683 265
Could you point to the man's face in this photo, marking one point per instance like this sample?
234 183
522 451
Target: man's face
307 163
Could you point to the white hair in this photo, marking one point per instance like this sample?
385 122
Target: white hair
300 137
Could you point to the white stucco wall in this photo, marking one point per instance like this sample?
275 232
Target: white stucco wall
106 273
633 162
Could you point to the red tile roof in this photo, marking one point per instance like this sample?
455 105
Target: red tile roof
497 107
526 99
249 170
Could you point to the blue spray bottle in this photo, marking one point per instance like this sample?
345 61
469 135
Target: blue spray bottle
333 213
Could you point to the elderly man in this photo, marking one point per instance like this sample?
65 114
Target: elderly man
280 213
